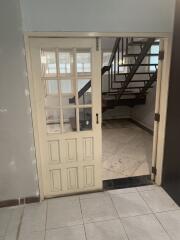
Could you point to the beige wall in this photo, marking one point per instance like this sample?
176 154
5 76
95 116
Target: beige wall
144 114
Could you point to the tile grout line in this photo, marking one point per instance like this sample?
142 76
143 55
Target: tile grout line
139 193
82 218
20 223
138 215
162 225
118 216
153 213
9 219
46 220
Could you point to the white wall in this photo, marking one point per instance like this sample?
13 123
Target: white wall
17 161
98 15
144 114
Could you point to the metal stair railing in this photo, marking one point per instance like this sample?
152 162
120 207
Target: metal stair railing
135 67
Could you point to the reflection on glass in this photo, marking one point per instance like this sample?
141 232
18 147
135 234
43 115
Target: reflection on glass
52 101
83 62
48 63
51 87
69 120
154 59
68 97
85 119
53 120
84 91
65 62
66 86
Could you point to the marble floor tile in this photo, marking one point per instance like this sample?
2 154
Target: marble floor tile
63 212
107 230
34 217
93 195
143 168
158 200
31 236
66 233
127 150
171 223
14 223
130 204
97 209
145 227
5 215
147 188
120 191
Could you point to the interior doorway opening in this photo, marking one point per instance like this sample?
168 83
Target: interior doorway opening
130 90
87 153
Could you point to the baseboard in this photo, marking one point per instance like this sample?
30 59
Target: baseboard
21 201
139 124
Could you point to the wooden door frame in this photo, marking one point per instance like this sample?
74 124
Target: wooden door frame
162 90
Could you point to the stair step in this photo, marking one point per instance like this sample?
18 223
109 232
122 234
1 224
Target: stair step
121 74
116 93
133 87
140 43
132 81
124 102
137 55
141 65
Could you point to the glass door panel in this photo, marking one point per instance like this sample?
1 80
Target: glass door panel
67 89
48 63
84 91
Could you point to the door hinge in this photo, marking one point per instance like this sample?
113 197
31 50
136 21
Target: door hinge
157 117
161 55
97 44
154 170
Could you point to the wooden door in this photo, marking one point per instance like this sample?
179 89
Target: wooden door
66 92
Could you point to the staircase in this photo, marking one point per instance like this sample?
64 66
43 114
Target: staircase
128 73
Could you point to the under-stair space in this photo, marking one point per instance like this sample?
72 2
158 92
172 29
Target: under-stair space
129 75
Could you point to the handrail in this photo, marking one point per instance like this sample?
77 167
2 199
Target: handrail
81 91
115 48
138 62
148 84
103 70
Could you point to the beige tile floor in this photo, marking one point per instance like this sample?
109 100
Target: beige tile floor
127 150
143 213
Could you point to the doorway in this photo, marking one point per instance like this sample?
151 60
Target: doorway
87 165
131 76
66 98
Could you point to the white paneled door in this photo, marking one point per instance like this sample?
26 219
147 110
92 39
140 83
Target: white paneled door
66 104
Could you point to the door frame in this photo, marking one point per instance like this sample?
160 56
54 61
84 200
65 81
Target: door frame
161 92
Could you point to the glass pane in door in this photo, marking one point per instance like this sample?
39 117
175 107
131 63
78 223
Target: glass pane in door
69 120
48 63
85 119
52 87
84 91
83 59
53 120
65 63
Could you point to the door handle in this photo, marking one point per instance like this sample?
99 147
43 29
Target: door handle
97 118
